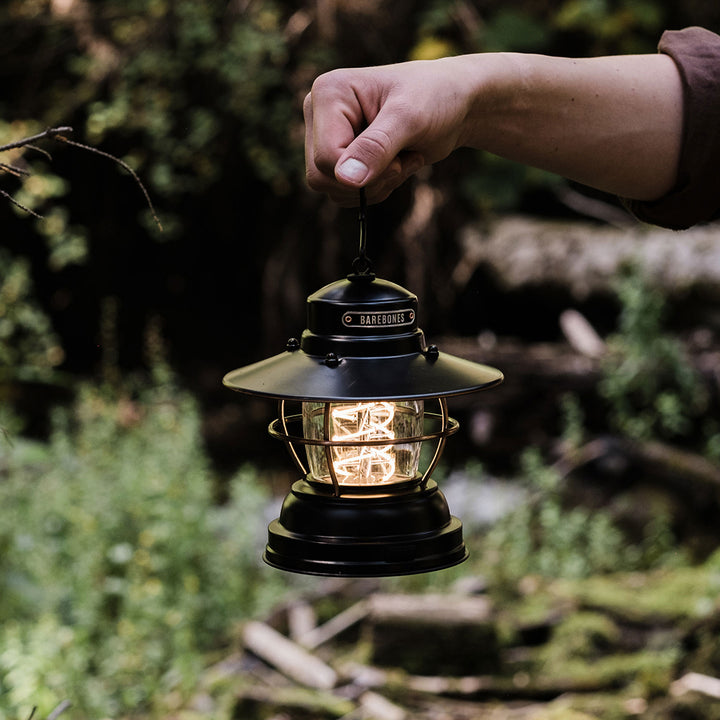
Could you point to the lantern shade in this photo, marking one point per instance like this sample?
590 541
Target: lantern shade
362 343
298 376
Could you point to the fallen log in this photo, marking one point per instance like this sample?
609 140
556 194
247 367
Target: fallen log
586 258
332 628
301 619
288 657
656 456
439 634
697 682
380 708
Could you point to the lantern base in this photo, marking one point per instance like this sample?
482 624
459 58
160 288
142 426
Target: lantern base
365 536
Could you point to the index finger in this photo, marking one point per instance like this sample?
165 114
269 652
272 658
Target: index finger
333 118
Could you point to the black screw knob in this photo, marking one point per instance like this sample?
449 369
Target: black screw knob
292 345
432 353
332 360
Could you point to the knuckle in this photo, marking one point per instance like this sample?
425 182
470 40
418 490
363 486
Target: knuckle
316 180
376 142
329 83
324 164
307 105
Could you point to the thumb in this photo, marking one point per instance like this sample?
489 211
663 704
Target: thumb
368 156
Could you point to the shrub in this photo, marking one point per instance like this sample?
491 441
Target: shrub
650 387
118 570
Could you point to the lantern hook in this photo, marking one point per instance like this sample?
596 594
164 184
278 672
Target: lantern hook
362 266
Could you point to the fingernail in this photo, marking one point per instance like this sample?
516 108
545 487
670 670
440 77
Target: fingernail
352 170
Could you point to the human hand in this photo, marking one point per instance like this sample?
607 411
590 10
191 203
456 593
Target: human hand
375 127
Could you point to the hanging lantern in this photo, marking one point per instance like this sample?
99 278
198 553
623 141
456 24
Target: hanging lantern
364 384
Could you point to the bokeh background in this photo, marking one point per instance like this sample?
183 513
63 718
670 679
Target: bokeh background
132 481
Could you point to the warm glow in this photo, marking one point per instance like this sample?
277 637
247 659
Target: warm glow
364 421
361 422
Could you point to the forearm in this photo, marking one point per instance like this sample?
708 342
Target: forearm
614 123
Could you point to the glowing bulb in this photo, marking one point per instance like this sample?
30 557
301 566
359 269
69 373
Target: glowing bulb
364 421
361 422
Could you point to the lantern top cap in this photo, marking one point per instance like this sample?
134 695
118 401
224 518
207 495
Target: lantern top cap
362 289
362 342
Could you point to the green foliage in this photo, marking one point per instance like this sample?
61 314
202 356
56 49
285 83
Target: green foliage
514 30
574 421
627 26
28 347
40 192
545 537
194 78
650 387
118 569
493 184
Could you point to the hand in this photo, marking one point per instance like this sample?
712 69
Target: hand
375 127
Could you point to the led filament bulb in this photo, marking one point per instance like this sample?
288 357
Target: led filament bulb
357 431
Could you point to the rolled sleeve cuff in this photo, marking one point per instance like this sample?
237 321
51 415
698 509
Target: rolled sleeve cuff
696 195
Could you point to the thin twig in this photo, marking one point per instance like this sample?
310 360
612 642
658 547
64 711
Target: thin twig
42 151
59 710
24 142
4 432
13 170
19 204
58 133
120 162
32 713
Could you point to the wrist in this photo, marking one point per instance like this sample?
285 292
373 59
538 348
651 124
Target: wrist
493 85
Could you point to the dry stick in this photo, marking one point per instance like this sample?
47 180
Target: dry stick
120 162
18 172
320 635
12 170
19 204
49 133
59 710
42 151
288 657
58 133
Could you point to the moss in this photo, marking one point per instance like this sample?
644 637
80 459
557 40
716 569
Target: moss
584 635
665 596
647 672
690 706
529 618
298 703
562 713
605 706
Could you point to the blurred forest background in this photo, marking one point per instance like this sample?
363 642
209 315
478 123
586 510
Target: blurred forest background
133 485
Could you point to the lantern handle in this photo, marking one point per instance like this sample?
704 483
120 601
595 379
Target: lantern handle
362 266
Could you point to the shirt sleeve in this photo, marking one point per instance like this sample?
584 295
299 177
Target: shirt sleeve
696 195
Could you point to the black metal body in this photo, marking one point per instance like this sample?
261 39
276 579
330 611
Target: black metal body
363 343
364 535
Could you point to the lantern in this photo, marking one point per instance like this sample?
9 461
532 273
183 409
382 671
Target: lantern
370 396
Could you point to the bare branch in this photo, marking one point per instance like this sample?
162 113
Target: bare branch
120 162
42 151
24 142
58 133
13 170
59 710
19 204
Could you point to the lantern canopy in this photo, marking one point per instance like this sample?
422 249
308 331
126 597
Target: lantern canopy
362 342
